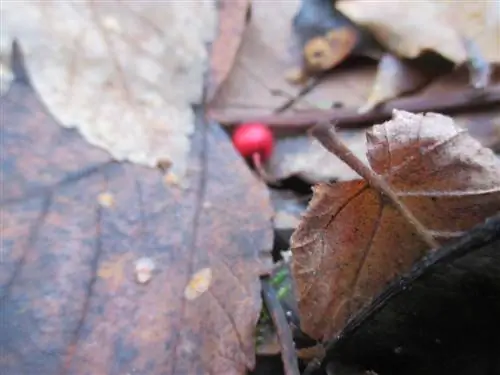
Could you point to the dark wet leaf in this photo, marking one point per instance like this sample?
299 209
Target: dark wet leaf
288 208
75 224
440 318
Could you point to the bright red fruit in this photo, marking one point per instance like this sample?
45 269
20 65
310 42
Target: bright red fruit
254 139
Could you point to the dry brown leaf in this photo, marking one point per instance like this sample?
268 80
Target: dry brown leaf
263 59
407 29
232 24
352 242
259 69
105 269
114 69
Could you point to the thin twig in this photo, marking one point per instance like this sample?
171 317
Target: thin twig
457 101
326 135
293 99
288 354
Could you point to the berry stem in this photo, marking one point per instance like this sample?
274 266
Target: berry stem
259 168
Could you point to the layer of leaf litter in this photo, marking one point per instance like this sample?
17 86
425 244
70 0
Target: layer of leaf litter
124 73
352 241
263 58
79 229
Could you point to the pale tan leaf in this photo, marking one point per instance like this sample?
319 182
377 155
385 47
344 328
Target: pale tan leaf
303 156
478 20
352 242
394 77
123 73
407 28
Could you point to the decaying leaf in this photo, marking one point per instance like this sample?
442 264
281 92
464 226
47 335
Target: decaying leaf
352 242
483 125
407 29
322 38
6 75
478 20
439 318
395 77
92 288
417 30
261 61
232 24
114 70
303 156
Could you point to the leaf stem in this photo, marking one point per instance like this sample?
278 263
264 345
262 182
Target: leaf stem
326 135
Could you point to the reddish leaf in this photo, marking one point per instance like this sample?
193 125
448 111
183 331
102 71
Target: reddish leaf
352 241
78 229
232 24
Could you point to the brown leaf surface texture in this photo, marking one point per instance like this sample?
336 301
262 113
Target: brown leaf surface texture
232 24
78 228
352 242
261 63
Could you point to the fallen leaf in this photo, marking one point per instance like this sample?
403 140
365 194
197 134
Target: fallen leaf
288 209
484 125
441 317
352 242
407 30
321 39
232 24
394 78
262 60
478 20
68 289
260 68
6 75
304 157
110 69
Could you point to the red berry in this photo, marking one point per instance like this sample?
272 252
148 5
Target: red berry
254 138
